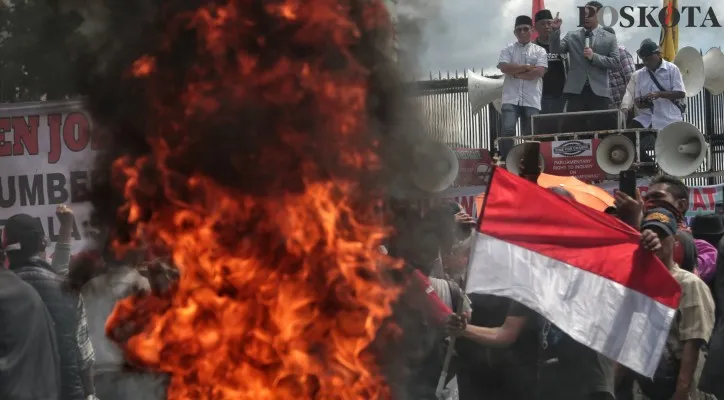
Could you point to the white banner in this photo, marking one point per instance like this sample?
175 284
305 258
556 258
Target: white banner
702 199
46 152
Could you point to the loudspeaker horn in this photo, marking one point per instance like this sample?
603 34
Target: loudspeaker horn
691 65
435 167
515 155
615 153
680 149
714 71
482 91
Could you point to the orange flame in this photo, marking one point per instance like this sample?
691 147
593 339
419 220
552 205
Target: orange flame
280 297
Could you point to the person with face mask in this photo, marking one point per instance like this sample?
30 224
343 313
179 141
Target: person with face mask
670 193
681 363
546 363
524 63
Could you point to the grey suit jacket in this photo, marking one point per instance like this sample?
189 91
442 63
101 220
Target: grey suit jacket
605 57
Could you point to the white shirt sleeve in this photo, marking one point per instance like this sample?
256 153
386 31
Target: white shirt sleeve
505 56
628 98
677 81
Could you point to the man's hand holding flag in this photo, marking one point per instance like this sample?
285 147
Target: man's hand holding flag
583 270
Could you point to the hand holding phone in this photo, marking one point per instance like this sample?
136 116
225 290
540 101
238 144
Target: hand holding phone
531 161
627 183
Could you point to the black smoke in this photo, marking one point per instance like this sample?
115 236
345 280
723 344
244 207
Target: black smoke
240 148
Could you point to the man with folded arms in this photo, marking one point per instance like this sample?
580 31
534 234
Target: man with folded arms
524 63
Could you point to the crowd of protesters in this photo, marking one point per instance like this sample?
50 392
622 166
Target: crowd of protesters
54 344
503 350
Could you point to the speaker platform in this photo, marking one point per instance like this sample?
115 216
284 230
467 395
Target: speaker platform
569 122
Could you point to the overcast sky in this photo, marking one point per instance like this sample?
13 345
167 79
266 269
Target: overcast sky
462 34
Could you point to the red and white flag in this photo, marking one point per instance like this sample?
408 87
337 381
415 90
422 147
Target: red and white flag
581 269
537 6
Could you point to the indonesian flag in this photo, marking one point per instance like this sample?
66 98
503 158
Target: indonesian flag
581 269
440 311
537 6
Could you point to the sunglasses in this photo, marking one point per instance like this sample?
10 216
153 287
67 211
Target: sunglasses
522 29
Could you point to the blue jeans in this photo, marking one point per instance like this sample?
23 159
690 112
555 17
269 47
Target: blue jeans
509 117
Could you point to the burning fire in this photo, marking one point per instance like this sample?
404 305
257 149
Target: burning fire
258 183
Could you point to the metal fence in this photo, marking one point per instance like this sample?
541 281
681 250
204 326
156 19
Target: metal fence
443 100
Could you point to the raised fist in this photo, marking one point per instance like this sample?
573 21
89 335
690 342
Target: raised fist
65 214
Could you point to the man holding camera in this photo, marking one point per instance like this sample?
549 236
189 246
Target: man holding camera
657 90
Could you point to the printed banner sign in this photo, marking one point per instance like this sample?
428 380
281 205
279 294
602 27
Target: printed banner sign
702 199
474 166
572 158
46 151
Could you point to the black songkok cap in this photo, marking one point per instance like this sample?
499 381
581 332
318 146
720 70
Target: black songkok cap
542 15
523 20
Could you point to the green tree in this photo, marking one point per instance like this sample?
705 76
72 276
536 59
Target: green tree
36 61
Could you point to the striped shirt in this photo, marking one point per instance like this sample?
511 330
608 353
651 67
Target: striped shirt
84 342
618 78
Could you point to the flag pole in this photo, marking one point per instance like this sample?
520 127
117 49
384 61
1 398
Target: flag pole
440 392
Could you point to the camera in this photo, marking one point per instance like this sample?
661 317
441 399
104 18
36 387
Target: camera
644 102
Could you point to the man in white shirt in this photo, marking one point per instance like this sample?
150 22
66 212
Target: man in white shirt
524 63
658 106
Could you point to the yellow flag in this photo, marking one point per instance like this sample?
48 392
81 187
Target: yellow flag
669 40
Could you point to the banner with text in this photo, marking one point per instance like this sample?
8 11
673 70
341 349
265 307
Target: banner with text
572 158
702 199
46 152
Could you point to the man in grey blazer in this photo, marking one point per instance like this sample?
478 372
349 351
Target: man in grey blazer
592 52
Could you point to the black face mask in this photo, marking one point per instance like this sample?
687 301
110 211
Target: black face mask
665 204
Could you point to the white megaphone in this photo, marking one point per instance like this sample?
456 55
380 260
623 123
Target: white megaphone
515 155
483 91
691 65
714 71
680 149
615 153
435 167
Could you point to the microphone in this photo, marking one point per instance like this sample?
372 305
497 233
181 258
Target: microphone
589 35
